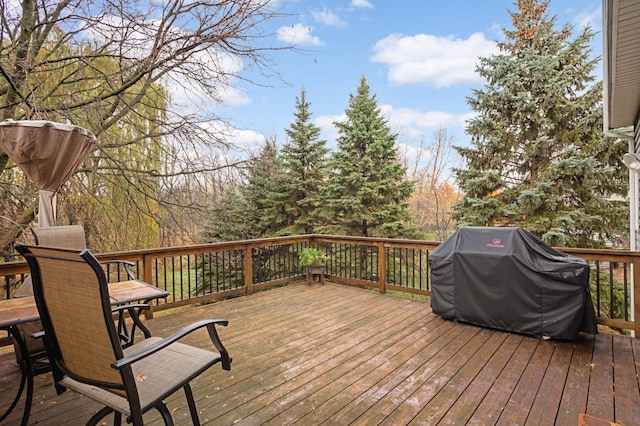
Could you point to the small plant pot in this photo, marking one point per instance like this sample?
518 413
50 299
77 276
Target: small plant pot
315 269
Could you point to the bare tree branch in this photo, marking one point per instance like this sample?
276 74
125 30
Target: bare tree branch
113 66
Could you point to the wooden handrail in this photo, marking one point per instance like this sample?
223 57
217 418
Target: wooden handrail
388 266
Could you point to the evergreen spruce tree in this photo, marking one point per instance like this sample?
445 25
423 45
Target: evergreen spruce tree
263 175
538 157
228 220
366 193
304 160
243 212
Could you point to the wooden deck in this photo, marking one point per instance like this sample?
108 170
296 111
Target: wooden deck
337 355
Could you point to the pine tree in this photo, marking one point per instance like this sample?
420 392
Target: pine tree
263 175
538 157
304 160
244 212
228 219
366 193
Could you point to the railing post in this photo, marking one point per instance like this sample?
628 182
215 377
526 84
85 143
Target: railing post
248 270
147 277
382 267
147 270
636 295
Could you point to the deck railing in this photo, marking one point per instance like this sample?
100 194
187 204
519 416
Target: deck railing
209 272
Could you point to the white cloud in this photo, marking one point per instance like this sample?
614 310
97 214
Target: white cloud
425 58
496 30
328 130
463 118
407 118
592 18
248 140
413 156
188 97
361 3
240 141
298 34
328 18
186 91
410 124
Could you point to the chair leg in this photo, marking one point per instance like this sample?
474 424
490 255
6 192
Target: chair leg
117 418
99 416
192 405
164 412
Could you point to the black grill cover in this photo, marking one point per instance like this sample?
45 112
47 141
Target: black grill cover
506 278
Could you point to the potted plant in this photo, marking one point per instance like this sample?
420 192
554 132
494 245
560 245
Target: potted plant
314 260
310 255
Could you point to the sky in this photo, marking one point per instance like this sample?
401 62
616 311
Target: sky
418 57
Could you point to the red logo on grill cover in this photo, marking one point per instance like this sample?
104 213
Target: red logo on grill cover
496 243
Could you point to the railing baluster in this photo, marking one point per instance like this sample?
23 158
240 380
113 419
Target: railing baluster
625 280
598 304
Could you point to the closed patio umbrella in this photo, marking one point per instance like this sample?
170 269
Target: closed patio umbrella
48 153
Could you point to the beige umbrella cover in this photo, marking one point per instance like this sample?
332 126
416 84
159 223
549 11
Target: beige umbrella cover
48 153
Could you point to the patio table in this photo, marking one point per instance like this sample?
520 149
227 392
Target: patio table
23 310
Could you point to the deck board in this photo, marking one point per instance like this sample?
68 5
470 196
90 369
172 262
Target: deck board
460 378
625 381
463 409
337 355
359 382
494 402
576 388
544 408
599 402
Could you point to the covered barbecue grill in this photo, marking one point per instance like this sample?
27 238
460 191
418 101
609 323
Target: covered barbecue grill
506 278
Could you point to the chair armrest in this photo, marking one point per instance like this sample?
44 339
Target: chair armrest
150 350
130 308
127 266
134 309
215 339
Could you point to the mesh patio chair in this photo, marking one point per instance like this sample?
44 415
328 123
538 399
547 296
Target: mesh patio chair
83 345
66 236
73 237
